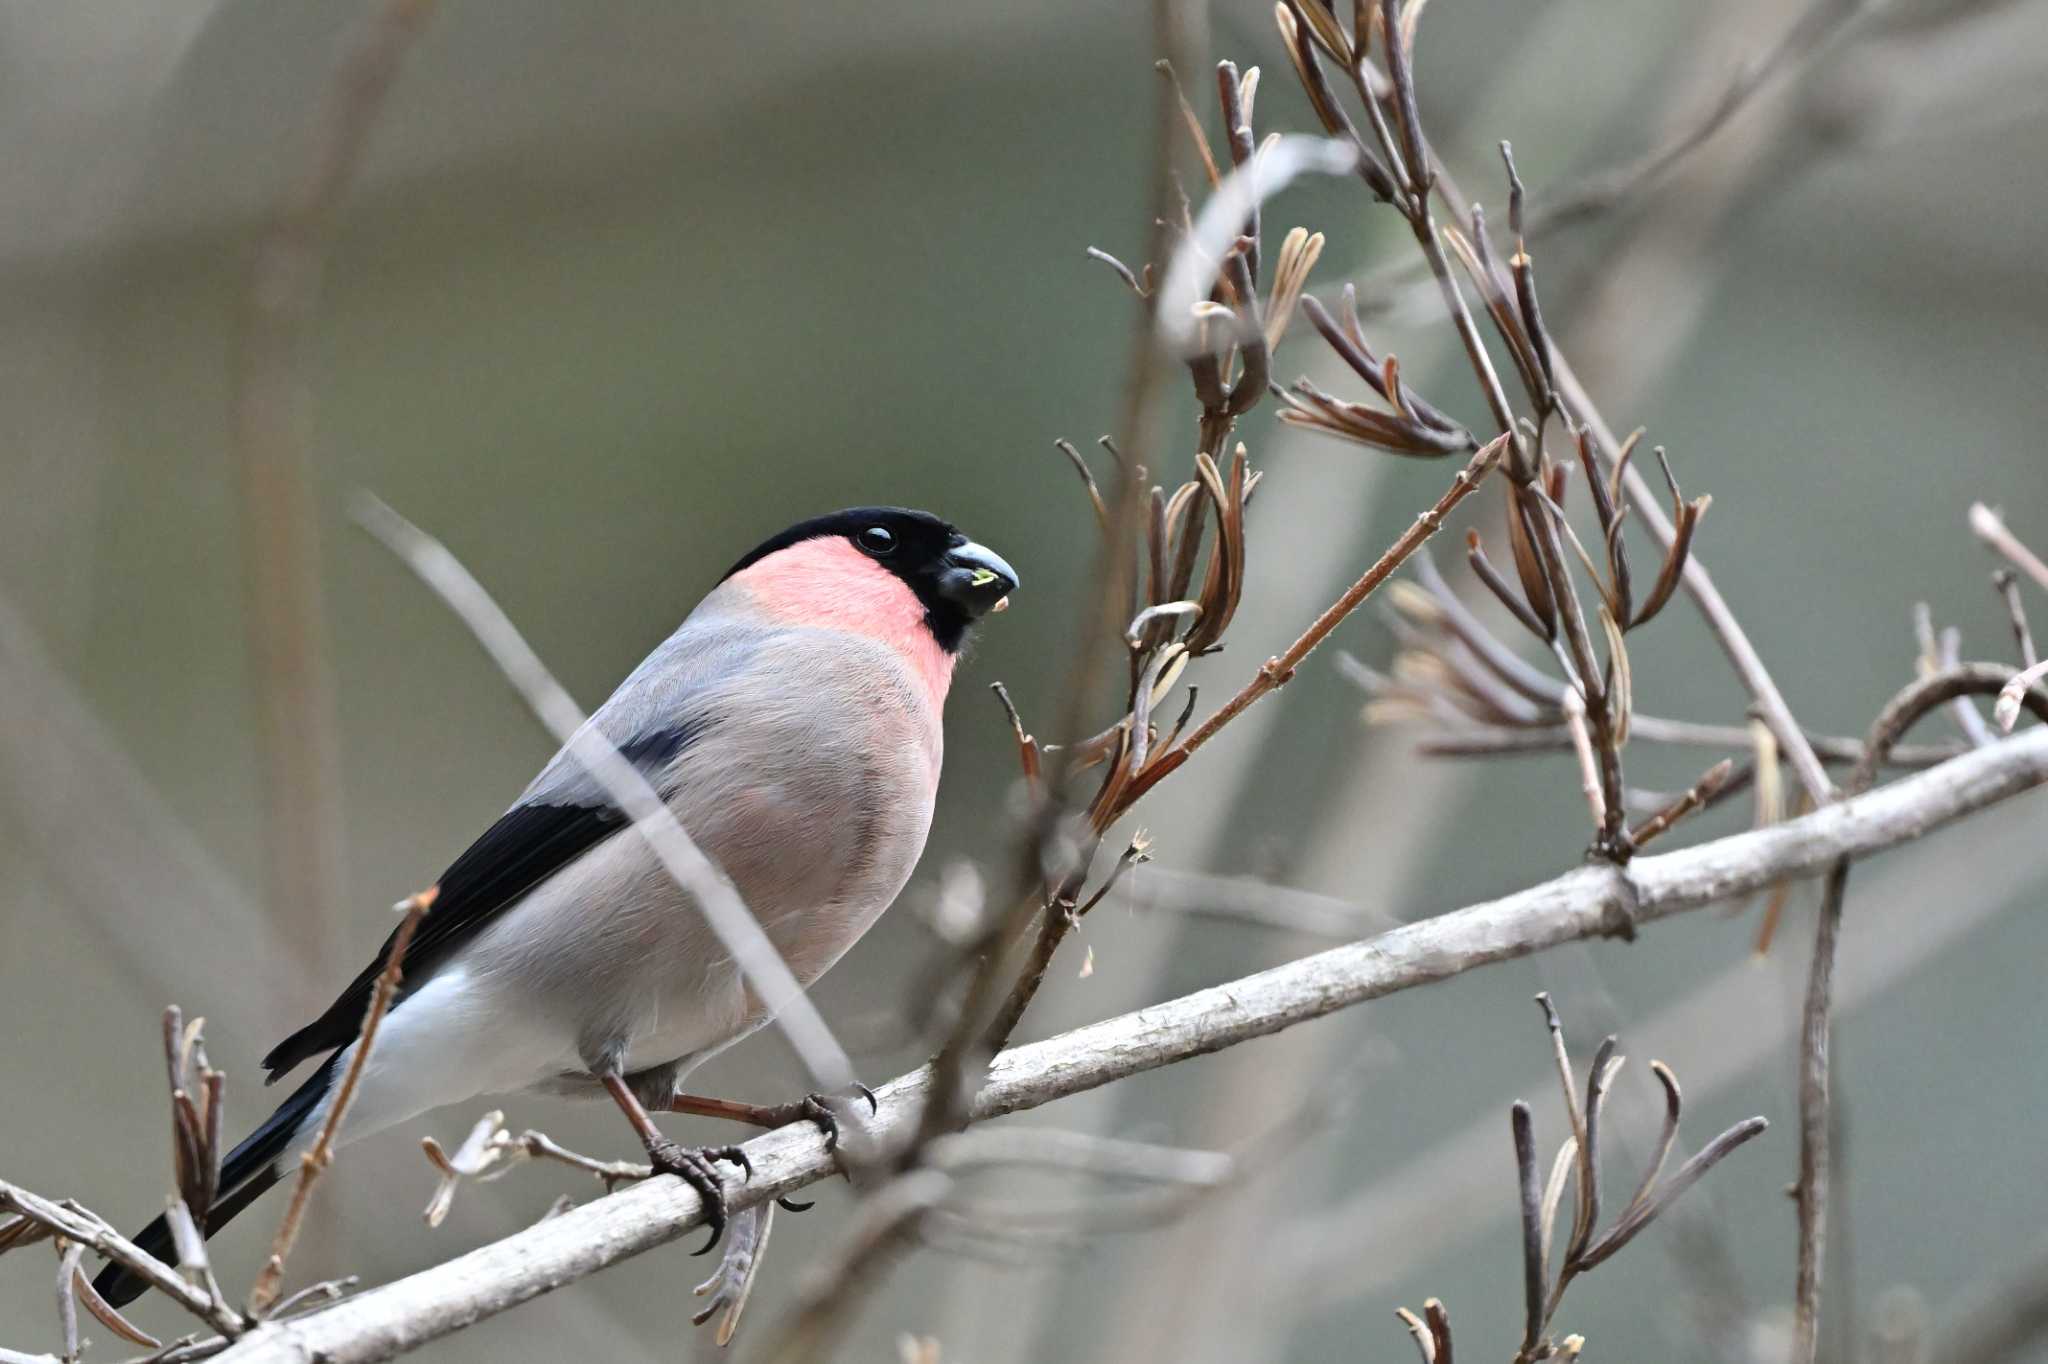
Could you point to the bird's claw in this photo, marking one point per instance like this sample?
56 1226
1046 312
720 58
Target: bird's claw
693 1165
816 1108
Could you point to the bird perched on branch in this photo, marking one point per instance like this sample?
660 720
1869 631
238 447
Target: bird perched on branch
792 724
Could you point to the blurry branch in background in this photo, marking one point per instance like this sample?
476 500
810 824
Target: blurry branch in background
1240 899
1577 1168
1621 187
1591 901
120 856
288 645
1815 27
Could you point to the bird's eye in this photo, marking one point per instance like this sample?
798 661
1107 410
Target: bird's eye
877 540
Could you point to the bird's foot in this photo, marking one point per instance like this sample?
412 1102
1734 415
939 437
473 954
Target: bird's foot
694 1166
816 1108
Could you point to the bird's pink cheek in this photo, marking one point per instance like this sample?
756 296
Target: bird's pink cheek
828 583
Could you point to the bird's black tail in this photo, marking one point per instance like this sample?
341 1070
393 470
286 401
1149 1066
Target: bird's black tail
250 1168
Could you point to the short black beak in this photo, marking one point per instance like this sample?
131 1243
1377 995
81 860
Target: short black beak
976 579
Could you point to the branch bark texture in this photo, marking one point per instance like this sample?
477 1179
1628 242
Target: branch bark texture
1588 902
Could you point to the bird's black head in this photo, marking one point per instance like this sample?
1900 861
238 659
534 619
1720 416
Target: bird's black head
956 580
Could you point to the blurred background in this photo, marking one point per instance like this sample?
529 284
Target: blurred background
623 288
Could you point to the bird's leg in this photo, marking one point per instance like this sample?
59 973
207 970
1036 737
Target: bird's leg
692 1165
814 1108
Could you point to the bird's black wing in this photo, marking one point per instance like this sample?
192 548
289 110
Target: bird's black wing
529 843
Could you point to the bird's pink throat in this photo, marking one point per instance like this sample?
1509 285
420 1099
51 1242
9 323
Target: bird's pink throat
829 584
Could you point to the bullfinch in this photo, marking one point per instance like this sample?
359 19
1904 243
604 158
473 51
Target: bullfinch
792 723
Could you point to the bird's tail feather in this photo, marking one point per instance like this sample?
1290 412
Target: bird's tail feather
249 1169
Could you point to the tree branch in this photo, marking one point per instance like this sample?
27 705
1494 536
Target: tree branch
1588 902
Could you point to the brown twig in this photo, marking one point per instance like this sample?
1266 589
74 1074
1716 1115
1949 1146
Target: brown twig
1812 1190
1601 192
1701 792
2009 589
314 1162
1276 671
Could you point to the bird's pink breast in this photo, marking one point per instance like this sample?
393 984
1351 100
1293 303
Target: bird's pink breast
827 583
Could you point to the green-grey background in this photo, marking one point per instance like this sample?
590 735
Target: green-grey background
626 287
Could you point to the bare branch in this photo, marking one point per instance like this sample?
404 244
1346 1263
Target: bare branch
1586 902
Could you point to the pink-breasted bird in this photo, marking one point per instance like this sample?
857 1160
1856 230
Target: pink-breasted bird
792 723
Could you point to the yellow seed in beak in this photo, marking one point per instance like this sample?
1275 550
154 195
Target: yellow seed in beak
982 577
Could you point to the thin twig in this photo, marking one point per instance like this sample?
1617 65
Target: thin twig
314 1162
1698 795
2009 589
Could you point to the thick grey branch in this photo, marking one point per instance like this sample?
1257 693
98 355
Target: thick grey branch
1587 902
